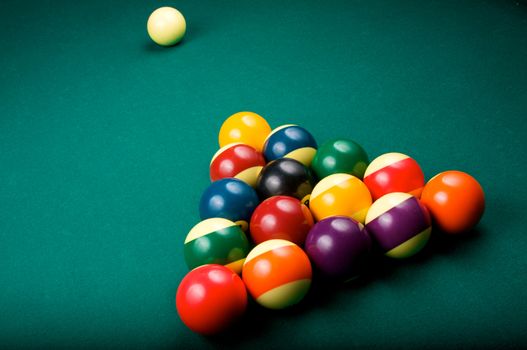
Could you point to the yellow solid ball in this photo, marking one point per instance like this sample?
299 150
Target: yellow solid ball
166 26
244 127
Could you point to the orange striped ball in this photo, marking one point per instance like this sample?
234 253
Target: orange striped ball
277 273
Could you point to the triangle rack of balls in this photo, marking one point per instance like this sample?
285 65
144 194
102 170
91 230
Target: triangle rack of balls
280 206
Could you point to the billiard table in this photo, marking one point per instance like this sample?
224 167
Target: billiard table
106 138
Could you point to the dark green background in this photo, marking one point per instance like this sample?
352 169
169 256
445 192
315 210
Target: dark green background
105 141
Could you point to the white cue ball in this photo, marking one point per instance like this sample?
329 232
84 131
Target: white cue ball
166 26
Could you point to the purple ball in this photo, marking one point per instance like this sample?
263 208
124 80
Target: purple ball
338 246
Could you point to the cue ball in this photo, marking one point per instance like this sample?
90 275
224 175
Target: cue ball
166 26
277 273
399 223
456 201
210 298
339 247
281 217
216 241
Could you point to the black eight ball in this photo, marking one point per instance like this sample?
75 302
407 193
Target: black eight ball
284 177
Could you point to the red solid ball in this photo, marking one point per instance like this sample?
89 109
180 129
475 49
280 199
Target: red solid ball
281 217
210 298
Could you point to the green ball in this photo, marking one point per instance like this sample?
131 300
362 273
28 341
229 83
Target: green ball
216 241
340 156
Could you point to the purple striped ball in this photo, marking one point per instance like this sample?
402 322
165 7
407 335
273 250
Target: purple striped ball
399 223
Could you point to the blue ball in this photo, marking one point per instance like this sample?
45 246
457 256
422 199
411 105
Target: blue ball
228 198
290 141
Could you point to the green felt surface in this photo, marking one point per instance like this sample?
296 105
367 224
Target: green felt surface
105 141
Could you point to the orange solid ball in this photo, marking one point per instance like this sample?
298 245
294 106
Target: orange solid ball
456 201
244 127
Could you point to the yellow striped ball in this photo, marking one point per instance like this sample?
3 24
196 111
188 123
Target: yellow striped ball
340 194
